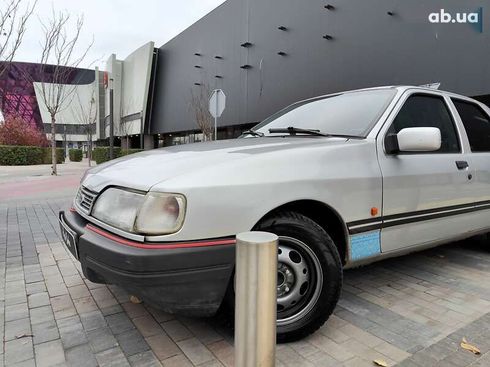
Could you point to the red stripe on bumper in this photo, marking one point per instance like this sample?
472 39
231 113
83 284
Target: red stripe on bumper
159 246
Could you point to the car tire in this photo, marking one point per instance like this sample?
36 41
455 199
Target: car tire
309 275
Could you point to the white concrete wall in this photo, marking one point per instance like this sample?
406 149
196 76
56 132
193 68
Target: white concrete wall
135 87
131 83
114 68
76 106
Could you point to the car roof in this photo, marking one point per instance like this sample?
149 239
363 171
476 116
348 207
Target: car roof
399 88
403 88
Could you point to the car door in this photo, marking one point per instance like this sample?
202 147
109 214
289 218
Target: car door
425 194
476 121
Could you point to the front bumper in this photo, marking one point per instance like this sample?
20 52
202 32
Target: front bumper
185 278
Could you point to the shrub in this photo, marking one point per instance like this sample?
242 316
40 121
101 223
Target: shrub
101 154
27 156
15 131
20 156
130 151
75 155
60 155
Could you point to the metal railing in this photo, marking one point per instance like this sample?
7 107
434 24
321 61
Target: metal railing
256 299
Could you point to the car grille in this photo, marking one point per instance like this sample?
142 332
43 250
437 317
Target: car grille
85 199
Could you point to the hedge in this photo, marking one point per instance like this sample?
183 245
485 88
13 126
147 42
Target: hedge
20 156
130 151
101 154
60 155
27 156
75 155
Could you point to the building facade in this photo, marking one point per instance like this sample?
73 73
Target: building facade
266 55
21 96
131 81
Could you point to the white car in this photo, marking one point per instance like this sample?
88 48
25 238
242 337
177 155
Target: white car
344 180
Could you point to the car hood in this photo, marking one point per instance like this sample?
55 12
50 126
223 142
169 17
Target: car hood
143 170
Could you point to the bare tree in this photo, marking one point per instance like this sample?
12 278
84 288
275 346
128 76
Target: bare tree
13 22
199 106
85 113
58 60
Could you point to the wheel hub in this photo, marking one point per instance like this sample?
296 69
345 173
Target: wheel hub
285 279
299 280
292 277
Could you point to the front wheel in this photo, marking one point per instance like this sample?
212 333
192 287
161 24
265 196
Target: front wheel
309 275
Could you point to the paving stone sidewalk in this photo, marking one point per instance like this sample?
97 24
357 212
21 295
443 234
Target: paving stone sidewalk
410 311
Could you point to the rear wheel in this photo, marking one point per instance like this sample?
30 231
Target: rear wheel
309 275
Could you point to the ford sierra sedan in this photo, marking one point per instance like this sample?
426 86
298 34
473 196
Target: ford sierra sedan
344 180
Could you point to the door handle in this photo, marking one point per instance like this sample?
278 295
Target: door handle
462 165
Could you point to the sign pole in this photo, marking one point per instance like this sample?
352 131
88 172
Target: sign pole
216 122
217 104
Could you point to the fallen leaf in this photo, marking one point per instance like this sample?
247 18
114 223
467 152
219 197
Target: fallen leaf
469 347
23 336
135 300
380 362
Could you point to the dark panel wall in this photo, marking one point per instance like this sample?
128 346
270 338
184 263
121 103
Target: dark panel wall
369 48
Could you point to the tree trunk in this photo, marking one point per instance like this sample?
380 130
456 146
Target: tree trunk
53 145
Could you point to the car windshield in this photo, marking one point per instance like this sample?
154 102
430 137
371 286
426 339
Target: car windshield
351 113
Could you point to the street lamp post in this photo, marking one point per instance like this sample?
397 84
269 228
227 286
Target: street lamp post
64 139
111 122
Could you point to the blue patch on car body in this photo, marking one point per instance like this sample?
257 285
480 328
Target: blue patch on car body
365 245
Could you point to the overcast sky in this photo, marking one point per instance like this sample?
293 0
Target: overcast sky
118 26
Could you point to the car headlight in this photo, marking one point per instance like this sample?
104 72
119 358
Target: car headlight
160 214
118 208
150 214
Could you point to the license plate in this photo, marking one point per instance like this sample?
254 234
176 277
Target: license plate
69 237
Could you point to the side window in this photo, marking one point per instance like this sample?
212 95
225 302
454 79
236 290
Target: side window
476 123
422 110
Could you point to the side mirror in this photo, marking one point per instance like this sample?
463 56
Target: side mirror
414 139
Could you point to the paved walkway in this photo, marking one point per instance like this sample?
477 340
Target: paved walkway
412 311
26 173
26 183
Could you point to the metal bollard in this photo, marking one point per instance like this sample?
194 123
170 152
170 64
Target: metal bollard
256 299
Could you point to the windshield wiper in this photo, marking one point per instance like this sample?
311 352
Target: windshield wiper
295 130
253 133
